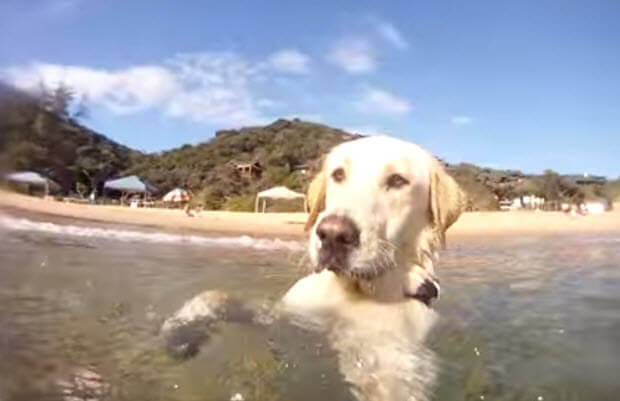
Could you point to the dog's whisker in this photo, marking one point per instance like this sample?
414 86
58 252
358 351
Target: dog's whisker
384 257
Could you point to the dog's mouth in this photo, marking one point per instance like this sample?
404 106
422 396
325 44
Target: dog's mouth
356 274
366 272
344 262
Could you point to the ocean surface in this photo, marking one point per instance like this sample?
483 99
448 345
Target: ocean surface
521 318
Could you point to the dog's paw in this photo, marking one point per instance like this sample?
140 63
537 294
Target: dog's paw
422 285
206 306
187 329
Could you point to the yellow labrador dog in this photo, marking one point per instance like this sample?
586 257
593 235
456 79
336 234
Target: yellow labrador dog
387 203
380 209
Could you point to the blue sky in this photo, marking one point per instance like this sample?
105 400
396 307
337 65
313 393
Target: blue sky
527 84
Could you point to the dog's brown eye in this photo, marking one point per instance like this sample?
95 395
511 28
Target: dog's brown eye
338 174
396 181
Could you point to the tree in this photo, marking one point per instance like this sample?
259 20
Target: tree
62 102
556 189
81 189
38 132
551 185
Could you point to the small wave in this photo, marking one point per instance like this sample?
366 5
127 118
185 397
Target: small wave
23 224
602 240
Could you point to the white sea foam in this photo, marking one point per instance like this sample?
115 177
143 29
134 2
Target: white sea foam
602 239
23 224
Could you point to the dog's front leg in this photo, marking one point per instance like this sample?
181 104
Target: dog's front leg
188 328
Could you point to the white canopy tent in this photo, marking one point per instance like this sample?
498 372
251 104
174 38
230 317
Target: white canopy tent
34 179
130 185
278 193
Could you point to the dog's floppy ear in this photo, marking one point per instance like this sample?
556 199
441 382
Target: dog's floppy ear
316 198
447 201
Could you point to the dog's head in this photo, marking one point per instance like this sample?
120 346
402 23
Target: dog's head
378 199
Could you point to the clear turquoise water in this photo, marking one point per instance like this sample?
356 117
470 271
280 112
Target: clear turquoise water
520 318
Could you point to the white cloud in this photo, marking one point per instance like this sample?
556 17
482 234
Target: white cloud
290 60
216 88
379 101
206 87
358 53
461 120
267 103
353 54
121 91
392 35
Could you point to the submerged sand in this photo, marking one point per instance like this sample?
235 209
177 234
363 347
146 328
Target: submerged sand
287 225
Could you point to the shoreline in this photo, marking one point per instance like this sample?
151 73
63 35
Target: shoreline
290 225
216 223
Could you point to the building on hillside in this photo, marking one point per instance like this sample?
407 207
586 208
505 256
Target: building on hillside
595 206
587 179
310 167
514 173
505 204
303 168
533 202
252 170
527 202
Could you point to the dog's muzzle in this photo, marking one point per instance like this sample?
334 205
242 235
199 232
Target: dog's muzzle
339 236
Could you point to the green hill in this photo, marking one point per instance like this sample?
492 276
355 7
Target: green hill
288 152
38 133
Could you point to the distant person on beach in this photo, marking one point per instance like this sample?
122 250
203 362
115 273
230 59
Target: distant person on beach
193 207
188 209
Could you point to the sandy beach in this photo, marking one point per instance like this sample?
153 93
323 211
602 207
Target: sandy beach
290 225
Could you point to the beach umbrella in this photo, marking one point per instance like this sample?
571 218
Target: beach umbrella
130 184
177 195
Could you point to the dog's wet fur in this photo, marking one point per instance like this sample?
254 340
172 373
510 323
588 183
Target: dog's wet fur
380 208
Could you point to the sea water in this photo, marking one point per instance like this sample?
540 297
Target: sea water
521 318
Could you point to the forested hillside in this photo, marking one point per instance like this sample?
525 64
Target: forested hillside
43 133
39 133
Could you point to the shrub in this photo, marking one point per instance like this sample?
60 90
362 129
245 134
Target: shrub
207 198
243 203
282 206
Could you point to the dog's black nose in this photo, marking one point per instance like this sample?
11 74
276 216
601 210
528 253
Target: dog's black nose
338 235
338 231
